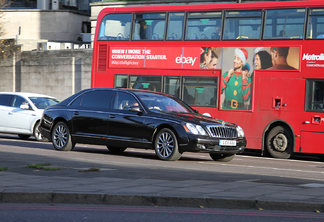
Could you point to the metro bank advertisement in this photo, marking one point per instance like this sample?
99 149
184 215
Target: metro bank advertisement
155 57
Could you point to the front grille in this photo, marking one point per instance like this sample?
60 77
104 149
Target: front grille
222 131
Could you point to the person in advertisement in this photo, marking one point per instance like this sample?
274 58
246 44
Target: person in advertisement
279 58
208 59
235 83
213 60
262 59
205 57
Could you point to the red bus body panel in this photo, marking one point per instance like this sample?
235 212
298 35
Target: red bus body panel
269 86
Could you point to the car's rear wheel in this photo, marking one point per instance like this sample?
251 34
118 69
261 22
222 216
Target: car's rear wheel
23 136
279 142
37 134
221 157
166 145
116 150
61 137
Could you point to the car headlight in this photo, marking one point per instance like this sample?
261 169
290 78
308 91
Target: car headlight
194 129
240 132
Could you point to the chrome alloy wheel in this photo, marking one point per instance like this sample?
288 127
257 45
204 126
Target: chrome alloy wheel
165 145
37 134
60 137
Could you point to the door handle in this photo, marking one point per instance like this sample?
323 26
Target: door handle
306 122
111 116
10 113
76 113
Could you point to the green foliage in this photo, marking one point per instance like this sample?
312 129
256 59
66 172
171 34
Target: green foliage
42 166
3 168
7 48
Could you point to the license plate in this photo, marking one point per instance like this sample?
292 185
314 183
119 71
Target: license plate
227 142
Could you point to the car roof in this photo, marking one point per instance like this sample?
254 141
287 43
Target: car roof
136 90
25 94
123 89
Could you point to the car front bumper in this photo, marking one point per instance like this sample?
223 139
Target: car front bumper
211 145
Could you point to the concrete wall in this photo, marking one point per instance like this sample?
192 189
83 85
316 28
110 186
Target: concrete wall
37 25
58 73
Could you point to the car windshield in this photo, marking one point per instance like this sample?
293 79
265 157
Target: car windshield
43 102
158 102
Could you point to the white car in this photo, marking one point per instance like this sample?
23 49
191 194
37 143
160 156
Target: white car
20 113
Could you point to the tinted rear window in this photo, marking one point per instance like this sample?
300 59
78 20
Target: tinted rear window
97 99
5 100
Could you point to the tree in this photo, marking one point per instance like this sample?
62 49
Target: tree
7 46
3 4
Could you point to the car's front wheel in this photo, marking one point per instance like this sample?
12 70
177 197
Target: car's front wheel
221 157
61 137
37 134
166 145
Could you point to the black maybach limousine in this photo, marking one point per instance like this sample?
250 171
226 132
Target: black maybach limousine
121 118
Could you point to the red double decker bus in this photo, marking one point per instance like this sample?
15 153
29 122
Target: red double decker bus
260 65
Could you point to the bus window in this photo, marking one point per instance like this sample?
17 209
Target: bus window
316 24
242 25
203 25
175 26
153 83
121 81
115 27
172 85
284 23
200 91
149 26
315 95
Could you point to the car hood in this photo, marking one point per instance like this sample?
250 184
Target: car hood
197 118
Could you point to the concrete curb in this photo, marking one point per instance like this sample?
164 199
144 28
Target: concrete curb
133 200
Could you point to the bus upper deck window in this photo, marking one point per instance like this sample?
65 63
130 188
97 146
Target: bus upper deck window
284 24
204 25
175 26
316 24
149 26
115 27
242 25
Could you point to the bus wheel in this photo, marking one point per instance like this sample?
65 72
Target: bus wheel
166 145
279 142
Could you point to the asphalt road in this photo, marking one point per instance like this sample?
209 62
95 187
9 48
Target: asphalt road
53 213
246 167
92 175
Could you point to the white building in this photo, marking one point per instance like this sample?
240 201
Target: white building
51 22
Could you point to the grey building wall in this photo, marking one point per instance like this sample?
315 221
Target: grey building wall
42 26
58 73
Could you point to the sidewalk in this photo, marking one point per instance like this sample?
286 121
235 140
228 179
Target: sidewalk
126 186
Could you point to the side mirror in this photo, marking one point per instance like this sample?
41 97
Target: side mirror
207 114
135 109
24 106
